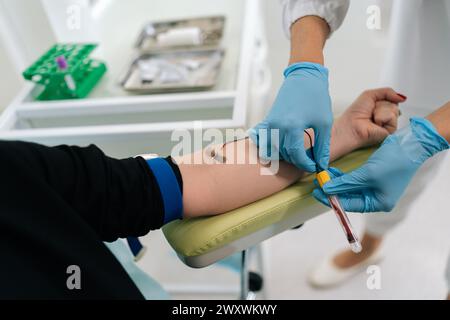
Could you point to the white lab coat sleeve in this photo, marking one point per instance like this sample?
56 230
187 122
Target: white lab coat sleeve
332 11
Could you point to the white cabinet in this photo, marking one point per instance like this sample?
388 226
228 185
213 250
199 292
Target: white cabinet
123 124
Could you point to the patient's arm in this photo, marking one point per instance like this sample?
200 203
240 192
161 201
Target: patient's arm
217 188
210 189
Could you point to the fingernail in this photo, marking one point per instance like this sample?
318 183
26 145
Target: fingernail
402 96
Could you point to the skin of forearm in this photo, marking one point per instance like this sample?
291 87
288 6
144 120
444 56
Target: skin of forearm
308 36
211 189
343 139
441 120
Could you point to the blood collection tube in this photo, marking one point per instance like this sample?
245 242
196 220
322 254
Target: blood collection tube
323 177
62 64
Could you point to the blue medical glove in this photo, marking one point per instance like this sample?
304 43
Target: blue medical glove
380 182
302 102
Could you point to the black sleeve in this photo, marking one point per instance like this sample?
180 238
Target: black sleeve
117 198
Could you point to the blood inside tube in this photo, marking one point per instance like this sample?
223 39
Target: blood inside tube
342 218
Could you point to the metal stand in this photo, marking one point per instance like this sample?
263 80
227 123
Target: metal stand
251 282
244 275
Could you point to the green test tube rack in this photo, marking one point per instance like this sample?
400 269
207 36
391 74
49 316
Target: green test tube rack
84 71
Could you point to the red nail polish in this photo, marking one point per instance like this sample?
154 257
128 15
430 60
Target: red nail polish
402 96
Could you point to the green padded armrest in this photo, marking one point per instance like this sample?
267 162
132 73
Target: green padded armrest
199 242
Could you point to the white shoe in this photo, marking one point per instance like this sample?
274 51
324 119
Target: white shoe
327 274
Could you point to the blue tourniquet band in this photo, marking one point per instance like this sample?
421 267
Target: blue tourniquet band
169 188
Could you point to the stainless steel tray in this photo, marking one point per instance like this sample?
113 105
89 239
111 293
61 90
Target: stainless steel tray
211 29
198 70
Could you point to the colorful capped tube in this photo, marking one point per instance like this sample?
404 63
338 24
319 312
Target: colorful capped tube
323 177
62 64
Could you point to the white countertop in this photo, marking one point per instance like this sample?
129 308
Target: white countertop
120 23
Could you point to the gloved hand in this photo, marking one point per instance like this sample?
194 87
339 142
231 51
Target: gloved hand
379 183
302 102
